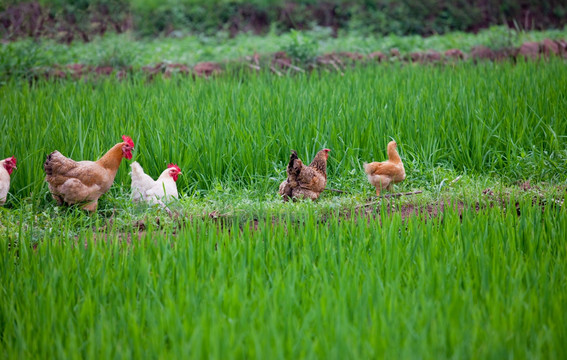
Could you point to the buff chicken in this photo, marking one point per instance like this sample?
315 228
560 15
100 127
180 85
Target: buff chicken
84 182
383 174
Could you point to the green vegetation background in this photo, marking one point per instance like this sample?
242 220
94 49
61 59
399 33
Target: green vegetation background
403 17
486 283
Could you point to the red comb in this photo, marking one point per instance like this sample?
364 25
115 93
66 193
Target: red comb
174 166
12 159
327 150
128 140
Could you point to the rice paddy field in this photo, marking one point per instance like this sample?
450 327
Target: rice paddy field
472 267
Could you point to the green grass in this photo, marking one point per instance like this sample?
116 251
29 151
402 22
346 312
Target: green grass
489 285
501 121
313 280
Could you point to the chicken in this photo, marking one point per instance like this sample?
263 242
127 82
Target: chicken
6 167
383 174
72 182
305 181
145 189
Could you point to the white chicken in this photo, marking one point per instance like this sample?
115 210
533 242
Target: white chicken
160 191
6 167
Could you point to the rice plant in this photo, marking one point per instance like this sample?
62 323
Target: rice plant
470 285
496 120
307 280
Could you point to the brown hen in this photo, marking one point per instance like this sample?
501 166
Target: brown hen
305 182
72 182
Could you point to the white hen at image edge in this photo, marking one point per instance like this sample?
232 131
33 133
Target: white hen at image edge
6 167
145 189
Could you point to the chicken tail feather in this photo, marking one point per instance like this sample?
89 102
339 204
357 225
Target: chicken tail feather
52 161
292 159
47 166
292 168
367 168
137 170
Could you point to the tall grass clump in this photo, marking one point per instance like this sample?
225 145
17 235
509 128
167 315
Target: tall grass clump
504 120
470 285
